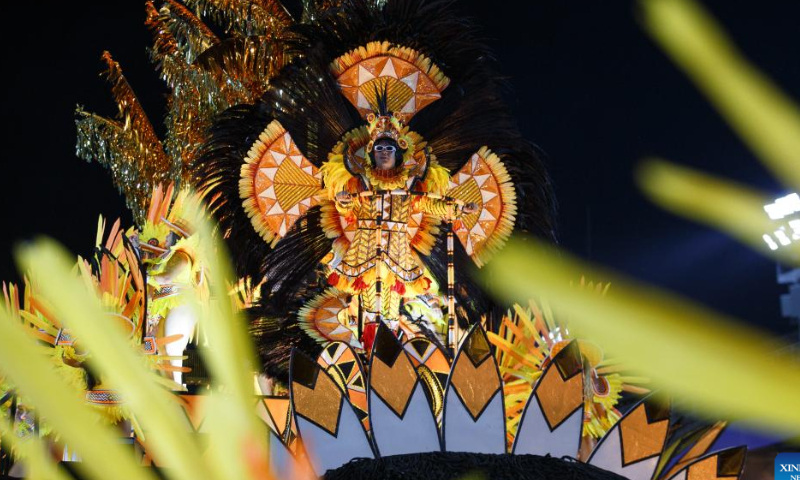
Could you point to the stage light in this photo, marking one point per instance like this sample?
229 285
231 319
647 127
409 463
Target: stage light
783 207
795 225
770 242
788 229
781 236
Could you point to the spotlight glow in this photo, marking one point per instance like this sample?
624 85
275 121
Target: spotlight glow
788 229
781 236
783 207
770 242
795 225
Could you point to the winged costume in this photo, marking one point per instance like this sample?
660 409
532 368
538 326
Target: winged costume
380 241
282 118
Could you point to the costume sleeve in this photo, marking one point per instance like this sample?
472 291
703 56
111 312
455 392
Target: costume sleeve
438 207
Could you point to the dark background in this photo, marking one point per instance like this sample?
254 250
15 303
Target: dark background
591 89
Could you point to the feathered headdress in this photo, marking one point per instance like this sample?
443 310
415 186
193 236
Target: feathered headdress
388 126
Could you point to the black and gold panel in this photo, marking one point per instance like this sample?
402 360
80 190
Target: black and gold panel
433 368
399 405
276 412
633 447
644 431
553 418
315 395
326 421
341 362
689 448
392 376
475 378
560 389
727 464
474 414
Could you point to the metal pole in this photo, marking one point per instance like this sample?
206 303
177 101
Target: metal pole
379 265
452 324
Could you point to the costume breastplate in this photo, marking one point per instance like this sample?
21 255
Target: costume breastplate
382 235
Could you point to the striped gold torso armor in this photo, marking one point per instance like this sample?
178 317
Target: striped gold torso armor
382 238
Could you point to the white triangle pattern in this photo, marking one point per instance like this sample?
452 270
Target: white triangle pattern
364 75
268 193
486 215
478 230
269 172
388 70
411 80
410 106
487 195
481 179
362 100
340 329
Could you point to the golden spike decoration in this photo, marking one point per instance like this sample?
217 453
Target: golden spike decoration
246 17
176 23
128 145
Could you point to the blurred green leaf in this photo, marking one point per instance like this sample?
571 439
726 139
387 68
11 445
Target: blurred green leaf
233 428
115 360
62 406
723 368
730 207
33 452
765 118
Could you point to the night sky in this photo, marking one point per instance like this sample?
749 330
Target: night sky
590 88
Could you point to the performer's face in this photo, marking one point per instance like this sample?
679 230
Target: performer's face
385 154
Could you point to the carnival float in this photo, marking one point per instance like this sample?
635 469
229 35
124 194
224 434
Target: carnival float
357 167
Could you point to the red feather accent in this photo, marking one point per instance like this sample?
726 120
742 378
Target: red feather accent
368 337
333 279
359 284
399 287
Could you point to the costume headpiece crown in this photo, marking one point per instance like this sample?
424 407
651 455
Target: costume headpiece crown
386 126
408 78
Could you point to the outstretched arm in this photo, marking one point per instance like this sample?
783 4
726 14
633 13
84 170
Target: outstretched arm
444 207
